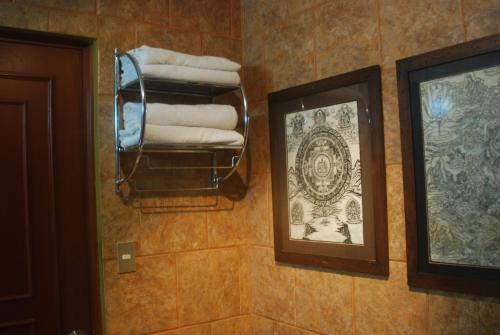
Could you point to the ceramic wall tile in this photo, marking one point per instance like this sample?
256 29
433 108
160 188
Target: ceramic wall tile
261 326
113 33
158 37
236 18
142 301
257 210
20 16
284 329
388 306
171 232
257 81
149 11
240 325
346 37
227 226
80 5
259 146
202 15
272 286
481 18
81 24
451 313
323 301
119 222
411 27
208 285
390 106
203 329
245 277
222 46
294 41
395 212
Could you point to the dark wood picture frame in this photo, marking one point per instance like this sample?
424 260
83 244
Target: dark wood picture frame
362 86
411 72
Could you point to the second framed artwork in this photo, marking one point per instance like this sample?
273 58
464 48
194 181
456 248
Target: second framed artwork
328 175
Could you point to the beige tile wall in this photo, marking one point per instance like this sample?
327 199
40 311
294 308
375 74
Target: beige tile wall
289 42
188 278
214 272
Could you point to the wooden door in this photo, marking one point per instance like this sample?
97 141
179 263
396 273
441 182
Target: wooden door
48 256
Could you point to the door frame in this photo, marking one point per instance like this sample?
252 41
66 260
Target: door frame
87 45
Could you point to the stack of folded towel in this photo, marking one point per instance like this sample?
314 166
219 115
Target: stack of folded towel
168 64
180 124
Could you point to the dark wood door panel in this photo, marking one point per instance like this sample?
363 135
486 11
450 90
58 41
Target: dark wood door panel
14 232
27 221
25 327
52 245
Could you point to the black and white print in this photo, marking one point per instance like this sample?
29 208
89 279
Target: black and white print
461 131
324 174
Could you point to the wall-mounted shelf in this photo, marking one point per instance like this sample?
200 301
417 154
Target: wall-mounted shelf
145 86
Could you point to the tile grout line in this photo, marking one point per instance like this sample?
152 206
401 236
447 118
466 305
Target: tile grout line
462 14
177 301
379 31
353 297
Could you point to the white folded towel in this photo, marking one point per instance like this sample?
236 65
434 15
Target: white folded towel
180 135
181 73
147 55
208 116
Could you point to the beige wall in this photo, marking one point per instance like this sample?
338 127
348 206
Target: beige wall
289 42
213 272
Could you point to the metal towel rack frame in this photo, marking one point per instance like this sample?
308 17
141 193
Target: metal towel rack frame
145 84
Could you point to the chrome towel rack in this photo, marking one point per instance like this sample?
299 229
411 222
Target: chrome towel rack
145 85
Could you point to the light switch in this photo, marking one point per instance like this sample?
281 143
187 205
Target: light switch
126 256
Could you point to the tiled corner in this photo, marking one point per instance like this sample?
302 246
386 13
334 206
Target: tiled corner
208 286
245 285
258 211
323 301
388 306
259 146
272 286
390 106
142 301
284 329
261 326
395 212
239 325
203 329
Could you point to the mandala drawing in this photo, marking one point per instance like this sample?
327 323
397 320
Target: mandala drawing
461 130
324 174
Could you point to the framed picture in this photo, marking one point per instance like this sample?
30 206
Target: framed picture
449 102
328 176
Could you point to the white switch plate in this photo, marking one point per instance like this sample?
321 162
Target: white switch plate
126 257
